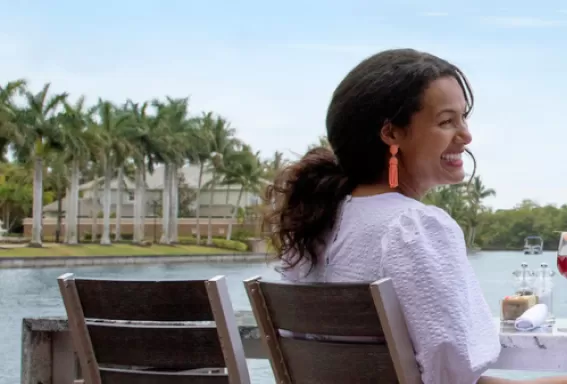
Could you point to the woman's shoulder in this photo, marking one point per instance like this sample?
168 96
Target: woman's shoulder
415 214
430 226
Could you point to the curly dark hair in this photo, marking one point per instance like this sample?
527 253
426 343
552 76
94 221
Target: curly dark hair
385 88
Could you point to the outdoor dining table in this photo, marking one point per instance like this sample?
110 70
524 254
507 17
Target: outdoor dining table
543 349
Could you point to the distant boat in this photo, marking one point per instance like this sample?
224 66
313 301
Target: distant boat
531 248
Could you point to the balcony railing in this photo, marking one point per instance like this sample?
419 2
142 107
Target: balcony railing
48 358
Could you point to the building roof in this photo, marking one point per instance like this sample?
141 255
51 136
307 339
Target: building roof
154 181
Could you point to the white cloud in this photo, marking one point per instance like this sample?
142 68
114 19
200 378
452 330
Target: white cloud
521 22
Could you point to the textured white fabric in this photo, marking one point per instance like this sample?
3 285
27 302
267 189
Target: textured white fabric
422 249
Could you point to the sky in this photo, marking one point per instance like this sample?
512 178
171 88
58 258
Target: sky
270 67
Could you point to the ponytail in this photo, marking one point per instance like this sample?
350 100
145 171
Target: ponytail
302 205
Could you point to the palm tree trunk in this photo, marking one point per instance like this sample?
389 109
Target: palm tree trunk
198 200
143 205
139 219
210 223
37 202
229 232
68 199
95 210
174 206
165 209
106 201
58 225
119 203
227 200
72 205
471 237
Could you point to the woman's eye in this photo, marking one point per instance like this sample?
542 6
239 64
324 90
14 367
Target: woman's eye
445 122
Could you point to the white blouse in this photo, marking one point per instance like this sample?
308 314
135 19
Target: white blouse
422 249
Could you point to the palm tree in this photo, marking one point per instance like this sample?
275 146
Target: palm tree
178 133
147 143
111 126
38 125
275 165
56 179
476 193
167 154
201 154
9 132
80 144
242 168
221 142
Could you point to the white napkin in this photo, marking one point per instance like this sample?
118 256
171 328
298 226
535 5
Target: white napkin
533 318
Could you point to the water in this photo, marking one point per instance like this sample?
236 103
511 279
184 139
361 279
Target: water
34 292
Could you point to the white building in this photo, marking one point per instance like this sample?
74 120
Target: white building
224 198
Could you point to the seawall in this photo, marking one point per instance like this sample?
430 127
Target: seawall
58 261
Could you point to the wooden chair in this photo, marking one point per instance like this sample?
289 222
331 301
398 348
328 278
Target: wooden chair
139 332
327 333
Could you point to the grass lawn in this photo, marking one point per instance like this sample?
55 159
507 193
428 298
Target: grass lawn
114 250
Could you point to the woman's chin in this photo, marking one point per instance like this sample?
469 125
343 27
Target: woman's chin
455 176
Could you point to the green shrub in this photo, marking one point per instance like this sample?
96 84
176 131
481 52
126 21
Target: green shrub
241 235
219 242
188 240
124 236
230 244
89 236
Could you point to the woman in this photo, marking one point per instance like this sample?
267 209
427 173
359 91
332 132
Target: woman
397 125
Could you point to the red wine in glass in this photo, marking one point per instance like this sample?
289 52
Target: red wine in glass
562 255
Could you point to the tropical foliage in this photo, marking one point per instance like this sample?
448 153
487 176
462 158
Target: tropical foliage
500 229
55 144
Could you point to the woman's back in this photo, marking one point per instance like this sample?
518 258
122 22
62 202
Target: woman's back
422 249
355 249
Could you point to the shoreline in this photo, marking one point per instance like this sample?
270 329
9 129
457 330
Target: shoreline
67 261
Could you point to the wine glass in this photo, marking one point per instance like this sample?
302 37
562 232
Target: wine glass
562 255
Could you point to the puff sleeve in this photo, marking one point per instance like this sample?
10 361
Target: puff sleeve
449 321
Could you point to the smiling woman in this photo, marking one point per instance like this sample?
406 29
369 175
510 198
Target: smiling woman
397 128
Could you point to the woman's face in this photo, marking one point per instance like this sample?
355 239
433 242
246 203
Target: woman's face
430 152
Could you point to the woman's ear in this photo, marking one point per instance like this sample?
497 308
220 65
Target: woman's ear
389 134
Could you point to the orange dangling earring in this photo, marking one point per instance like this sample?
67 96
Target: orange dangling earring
393 169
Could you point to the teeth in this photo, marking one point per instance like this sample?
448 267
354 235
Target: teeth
451 156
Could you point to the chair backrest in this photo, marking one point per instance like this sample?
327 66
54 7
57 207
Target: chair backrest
153 332
324 333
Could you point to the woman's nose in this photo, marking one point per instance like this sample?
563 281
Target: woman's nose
464 136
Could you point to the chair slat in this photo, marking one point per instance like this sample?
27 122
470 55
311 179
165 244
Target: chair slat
160 347
395 331
144 301
329 309
122 376
323 362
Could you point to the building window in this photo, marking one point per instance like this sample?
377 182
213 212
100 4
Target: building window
130 196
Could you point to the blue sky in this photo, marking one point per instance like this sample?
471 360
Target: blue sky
271 68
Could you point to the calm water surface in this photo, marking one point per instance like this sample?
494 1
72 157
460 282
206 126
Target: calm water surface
34 292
